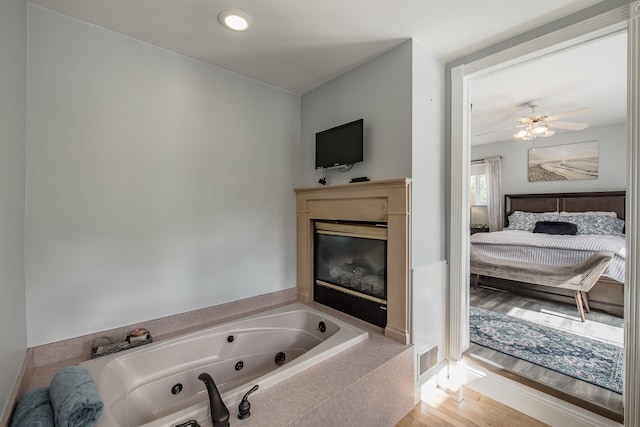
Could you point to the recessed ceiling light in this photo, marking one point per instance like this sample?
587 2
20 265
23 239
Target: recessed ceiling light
234 19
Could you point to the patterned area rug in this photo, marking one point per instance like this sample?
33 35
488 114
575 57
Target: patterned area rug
583 358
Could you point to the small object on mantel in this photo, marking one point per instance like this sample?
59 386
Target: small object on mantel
359 179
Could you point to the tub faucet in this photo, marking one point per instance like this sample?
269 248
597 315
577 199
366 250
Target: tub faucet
219 412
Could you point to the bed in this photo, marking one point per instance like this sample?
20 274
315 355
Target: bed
591 212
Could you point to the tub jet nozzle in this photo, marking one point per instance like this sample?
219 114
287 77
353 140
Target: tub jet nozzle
280 358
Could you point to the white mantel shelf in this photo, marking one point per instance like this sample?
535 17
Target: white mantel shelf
388 201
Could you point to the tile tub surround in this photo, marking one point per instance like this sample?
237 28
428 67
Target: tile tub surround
369 384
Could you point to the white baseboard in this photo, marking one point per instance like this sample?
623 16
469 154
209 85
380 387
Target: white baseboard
531 402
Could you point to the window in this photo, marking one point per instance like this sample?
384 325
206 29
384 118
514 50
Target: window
478 186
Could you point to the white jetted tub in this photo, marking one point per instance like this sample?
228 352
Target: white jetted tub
138 386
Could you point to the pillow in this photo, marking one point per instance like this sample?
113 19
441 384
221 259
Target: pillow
597 224
600 213
555 227
526 221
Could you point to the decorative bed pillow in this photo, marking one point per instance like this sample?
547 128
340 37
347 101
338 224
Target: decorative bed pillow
555 227
526 221
598 213
597 224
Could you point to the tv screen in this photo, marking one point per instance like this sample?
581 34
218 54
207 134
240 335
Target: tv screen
341 145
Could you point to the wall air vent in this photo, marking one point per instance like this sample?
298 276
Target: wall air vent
427 360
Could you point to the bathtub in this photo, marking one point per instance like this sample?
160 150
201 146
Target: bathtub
156 385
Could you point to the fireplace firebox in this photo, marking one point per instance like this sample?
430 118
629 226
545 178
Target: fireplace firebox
350 269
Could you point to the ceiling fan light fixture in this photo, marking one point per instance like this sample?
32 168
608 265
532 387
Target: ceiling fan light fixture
538 129
523 135
538 125
234 19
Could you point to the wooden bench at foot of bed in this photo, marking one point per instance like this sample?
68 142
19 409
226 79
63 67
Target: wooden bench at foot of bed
579 278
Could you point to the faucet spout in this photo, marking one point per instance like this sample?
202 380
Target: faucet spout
219 412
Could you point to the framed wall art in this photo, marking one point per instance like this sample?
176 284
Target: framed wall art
563 162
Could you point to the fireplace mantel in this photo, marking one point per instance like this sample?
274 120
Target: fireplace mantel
388 201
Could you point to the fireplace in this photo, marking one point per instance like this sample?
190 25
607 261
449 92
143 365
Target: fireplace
374 202
350 268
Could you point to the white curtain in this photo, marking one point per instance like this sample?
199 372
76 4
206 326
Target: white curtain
493 171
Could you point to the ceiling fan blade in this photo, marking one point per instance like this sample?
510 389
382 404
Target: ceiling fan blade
492 131
500 130
524 120
571 113
569 125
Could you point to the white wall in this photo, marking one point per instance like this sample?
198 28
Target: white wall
378 91
429 292
612 171
13 324
156 184
428 158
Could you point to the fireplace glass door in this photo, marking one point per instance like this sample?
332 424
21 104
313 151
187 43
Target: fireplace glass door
350 267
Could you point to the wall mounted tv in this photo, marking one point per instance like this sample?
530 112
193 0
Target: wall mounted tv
341 145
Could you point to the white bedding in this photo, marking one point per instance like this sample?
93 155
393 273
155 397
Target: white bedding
540 248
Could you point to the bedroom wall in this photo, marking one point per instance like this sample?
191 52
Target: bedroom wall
378 91
612 173
157 184
13 322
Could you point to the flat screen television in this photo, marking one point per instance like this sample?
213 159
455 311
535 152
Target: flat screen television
341 145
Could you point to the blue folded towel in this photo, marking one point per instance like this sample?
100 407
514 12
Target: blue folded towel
33 409
74 397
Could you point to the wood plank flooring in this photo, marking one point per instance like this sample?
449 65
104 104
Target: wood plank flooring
474 409
591 397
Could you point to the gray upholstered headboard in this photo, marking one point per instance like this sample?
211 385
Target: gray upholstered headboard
611 201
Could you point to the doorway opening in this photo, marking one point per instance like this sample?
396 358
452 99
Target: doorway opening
461 77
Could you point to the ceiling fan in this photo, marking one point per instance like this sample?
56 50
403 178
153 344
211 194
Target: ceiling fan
539 125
